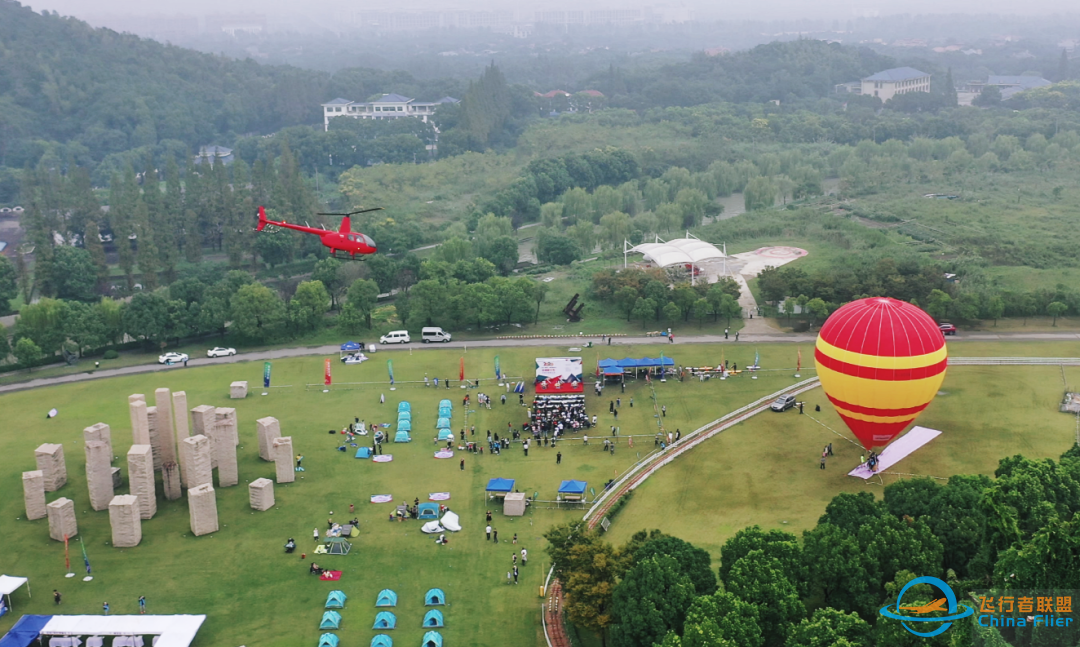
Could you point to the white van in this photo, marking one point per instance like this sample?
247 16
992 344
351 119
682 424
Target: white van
428 335
395 337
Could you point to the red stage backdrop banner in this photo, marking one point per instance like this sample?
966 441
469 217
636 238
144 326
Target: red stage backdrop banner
559 375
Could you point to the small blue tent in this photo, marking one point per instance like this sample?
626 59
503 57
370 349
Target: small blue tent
443 422
382 640
363 452
335 600
445 412
445 403
402 437
431 639
434 598
330 620
404 415
446 434
384 620
351 347
404 406
433 618
573 487
608 363
404 425
500 485
328 640
387 598
428 511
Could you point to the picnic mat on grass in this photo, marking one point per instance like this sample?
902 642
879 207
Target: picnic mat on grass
439 496
382 498
444 453
330 575
383 458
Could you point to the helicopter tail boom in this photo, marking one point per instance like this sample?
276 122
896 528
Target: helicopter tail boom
262 219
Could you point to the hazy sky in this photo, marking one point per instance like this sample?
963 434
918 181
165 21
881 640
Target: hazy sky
765 9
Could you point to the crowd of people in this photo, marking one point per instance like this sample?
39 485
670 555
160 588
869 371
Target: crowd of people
552 416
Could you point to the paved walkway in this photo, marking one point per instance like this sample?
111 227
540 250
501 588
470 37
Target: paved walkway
333 350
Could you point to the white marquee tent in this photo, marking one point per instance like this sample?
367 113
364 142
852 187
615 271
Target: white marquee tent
680 251
8 585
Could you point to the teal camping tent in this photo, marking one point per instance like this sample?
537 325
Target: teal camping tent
387 598
385 620
330 640
442 423
445 412
433 618
434 597
445 403
404 425
404 406
446 434
428 511
330 620
431 639
402 437
404 415
335 600
382 640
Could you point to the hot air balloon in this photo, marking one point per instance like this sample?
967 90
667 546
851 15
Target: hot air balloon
881 362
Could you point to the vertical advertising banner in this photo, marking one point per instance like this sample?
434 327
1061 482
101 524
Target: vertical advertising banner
266 375
326 373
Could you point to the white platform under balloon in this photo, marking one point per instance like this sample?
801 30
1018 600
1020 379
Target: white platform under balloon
900 449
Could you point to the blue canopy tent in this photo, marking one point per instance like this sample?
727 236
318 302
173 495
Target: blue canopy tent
654 362
434 598
387 598
328 640
432 639
433 618
330 620
335 600
445 403
573 490
25 632
608 363
402 436
382 640
442 423
446 434
404 425
404 406
500 487
384 620
350 347
363 452
627 362
428 511
404 415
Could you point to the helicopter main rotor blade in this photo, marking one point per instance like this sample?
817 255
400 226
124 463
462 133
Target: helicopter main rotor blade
353 213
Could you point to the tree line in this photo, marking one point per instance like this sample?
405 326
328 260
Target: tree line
654 296
1018 531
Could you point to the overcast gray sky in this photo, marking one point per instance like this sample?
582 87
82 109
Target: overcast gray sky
764 9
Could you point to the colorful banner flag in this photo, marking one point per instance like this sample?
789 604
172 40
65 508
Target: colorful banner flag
757 359
798 362
498 374
86 560
461 370
67 556
326 373
390 370
266 375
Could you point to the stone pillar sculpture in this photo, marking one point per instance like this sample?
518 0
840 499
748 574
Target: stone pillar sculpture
126 520
50 460
170 478
166 437
224 446
141 479
102 432
260 494
99 480
268 429
62 519
238 390
180 414
202 508
140 424
155 440
195 451
33 485
203 420
283 459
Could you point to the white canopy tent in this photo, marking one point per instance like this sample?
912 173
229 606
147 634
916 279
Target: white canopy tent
680 251
8 585
172 631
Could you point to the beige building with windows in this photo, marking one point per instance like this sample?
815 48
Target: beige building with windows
899 80
388 106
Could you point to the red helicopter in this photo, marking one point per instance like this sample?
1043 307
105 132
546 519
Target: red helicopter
344 240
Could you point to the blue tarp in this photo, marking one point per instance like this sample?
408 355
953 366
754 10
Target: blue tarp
573 487
428 511
500 485
644 362
434 597
351 346
363 452
433 618
25 631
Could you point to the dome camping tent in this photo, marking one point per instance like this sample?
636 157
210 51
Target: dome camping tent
445 403
328 640
382 640
385 620
428 511
446 434
404 415
335 600
330 620
434 597
402 436
404 425
445 412
433 618
443 422
431 639
404 406
387 598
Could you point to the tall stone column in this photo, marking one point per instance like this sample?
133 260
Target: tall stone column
224 441
99 478
140 424
180 412
155 440
170 478
195 451
166 436
62 519
268 429
283 459
260 494
33 485
202 509
102 432
126 521
50 460
203 420
141 479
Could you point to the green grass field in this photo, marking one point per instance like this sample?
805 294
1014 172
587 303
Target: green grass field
763 472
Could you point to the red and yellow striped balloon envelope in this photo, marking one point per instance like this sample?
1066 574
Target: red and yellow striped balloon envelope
881 362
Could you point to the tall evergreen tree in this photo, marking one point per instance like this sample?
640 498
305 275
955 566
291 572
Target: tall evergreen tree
146 252
951 100
92 243
1063 66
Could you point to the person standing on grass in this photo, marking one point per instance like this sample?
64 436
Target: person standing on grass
558 458
524 557
830 449
631 402
508 576
513 559
315 534
489 517
663 410
488 531
515 575
515 537
618 402
56 596
105 608
495 535
463 465
142 604
823 455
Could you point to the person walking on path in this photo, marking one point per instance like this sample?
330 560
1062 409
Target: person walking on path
142 604
56 596
463 465
800 408
426 384
584 438
736 335
725 333
558 458
105 608
488 531
678 435
663 410
671 338
495 535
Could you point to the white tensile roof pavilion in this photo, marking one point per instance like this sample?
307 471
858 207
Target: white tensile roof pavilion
680 251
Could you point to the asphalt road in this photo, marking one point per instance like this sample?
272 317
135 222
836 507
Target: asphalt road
680 340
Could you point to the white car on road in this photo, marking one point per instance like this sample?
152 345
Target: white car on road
172 358
220 352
